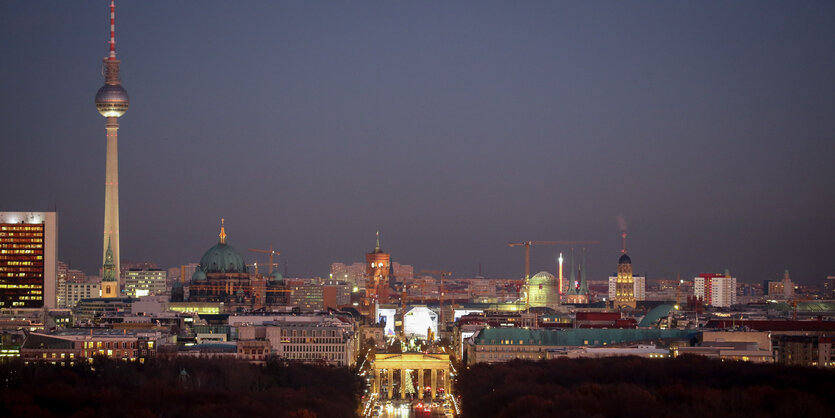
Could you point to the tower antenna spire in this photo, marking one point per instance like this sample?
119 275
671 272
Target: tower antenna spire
222 234
623 240
112 30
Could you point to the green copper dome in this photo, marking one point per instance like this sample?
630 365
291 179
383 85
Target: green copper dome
222 258
276 276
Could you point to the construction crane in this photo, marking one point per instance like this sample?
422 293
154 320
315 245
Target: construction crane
271 252
443 275
528 244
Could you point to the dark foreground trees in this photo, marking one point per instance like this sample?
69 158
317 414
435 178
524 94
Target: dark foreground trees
178 388
635 387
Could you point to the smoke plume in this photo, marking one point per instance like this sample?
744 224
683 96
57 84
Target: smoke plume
621 223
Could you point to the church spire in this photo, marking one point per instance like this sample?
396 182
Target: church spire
108 269
222 234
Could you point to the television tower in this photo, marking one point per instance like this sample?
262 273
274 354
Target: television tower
112 102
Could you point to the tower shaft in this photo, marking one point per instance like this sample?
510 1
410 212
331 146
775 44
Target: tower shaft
111 196
112 102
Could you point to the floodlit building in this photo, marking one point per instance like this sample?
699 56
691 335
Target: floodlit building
638 287
543 291
624 283
377 271
28 259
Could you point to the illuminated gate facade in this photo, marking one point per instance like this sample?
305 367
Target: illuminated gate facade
436 365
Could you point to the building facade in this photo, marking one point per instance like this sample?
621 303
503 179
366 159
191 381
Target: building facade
718 290
77 291
624 284
65 276
542 291
638 287
377 270
67 348
307 338
28 259
145 282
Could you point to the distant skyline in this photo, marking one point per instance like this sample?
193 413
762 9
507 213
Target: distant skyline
450 128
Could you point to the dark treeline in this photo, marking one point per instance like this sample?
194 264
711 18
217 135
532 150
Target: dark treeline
635 387
178 388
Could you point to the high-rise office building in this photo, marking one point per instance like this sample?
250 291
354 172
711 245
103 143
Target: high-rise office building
28 259
112 102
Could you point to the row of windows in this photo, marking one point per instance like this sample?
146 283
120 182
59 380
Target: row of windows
117 353
313 333
21 286
22 263
19 236
21 304
18 227
314 356
312 348
114 344
12 275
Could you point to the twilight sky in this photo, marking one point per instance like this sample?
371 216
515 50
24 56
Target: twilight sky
452 127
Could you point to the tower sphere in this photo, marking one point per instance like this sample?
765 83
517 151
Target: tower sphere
112 101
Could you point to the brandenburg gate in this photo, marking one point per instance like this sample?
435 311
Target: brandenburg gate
386 364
